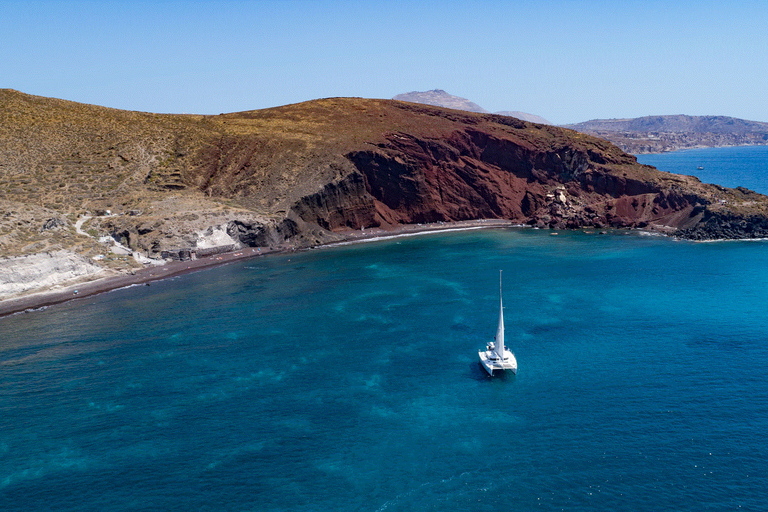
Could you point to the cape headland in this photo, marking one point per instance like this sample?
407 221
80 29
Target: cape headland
122 190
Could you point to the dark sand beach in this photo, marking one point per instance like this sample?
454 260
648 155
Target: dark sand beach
38 299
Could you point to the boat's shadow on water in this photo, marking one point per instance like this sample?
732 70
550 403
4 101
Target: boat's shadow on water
477 372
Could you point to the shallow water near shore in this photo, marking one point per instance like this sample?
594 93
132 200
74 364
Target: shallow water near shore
346 378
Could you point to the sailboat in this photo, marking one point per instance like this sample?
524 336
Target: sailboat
496 356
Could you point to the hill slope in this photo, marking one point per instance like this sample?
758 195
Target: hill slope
77 177
655 134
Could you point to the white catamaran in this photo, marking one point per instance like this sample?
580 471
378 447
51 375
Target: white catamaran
496 356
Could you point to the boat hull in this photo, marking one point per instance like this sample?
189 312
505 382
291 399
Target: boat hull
491 362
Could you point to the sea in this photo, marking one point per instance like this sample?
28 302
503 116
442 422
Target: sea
743 166
346 378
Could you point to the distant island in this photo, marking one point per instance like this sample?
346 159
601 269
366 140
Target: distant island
89 191
657 134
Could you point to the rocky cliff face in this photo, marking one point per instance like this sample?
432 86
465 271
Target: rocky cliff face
546 180
471 175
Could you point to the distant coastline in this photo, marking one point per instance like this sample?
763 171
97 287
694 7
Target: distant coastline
661 134
672 148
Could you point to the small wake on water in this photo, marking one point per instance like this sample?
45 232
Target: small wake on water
462 489
30 310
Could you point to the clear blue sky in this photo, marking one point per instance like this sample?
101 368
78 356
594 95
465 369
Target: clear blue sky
564 60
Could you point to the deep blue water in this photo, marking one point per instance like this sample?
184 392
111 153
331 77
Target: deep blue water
346 379
744 166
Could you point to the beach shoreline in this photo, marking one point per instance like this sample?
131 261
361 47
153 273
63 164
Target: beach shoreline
35 300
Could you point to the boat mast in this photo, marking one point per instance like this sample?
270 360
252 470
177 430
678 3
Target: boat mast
500 329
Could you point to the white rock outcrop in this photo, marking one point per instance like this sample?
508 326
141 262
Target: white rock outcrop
43 271
214 236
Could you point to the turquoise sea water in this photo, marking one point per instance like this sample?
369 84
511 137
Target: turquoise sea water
347 379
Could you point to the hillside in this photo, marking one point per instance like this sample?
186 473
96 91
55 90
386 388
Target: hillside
83 178
656 134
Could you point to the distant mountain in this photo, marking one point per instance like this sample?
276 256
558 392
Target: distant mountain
531 118
440 98
656 134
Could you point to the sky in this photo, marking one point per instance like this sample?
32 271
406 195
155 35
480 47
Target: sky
565 60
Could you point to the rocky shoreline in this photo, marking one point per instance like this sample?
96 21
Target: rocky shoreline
48 293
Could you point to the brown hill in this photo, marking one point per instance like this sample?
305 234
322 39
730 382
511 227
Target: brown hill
308 173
